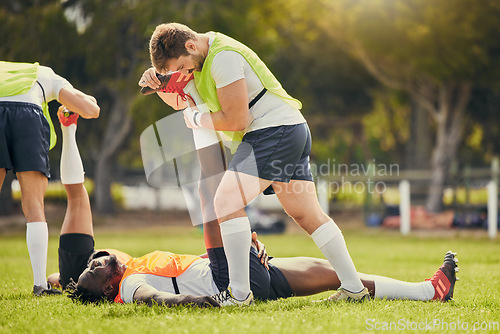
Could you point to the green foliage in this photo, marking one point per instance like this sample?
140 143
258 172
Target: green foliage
411 258
446 40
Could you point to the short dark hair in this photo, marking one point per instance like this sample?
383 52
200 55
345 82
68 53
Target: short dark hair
167 42
79 294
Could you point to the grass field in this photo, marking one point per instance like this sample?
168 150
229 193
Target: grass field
476 305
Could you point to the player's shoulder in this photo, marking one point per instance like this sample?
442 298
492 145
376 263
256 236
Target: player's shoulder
46 71
227 60
226 55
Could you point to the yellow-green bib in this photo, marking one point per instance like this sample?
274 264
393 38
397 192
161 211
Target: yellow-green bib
207 89
17 79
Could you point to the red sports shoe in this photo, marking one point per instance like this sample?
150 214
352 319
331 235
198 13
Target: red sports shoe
172 82
444 279
66 117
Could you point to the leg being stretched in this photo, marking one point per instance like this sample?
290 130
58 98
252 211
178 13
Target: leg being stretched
307 276
76 242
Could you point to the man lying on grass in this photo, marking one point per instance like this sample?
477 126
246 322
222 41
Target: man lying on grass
173 279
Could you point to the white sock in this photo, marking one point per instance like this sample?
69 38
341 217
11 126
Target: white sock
237 238
37 238
394 289
330 241
71 162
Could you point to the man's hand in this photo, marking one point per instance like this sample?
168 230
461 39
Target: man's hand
149 79
261 249
202 301
192 117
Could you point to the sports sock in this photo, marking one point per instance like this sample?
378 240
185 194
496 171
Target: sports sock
237 238
330 241
71 162
37 239
390 288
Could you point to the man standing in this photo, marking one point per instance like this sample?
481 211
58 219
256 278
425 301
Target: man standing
248 104
26 136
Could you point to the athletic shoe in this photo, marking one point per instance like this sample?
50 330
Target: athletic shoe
41 291
445 277
172 82
226 298
66 117
343 294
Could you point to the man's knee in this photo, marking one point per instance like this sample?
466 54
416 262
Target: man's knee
227 203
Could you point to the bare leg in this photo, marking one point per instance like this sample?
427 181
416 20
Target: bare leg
33 187
233 194
235 191
78 218
300 201
213 166
308 276
3 172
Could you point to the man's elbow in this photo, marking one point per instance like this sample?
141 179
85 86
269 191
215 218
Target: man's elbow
92 111
238 124
96 111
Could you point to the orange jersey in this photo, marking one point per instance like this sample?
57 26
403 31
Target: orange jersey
158 263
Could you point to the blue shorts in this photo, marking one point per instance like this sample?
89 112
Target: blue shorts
24 138
265 284
278 153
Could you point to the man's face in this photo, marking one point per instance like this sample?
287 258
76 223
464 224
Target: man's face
187 64
102 276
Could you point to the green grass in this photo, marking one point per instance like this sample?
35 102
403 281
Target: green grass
477 294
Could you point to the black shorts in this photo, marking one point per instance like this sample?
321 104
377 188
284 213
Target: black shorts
24 138
75 250
265 284
278 153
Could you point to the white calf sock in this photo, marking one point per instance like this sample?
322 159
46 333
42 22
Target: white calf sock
71 162
237 238
394 289
37 239
330 241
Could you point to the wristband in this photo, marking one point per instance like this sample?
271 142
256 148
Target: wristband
197 119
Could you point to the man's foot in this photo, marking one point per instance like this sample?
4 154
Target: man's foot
343 294
41 291
445 277
66 117
172 82
226 298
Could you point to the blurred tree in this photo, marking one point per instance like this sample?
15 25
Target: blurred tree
437 51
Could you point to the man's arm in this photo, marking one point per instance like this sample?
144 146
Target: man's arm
79 102
149 295
234 115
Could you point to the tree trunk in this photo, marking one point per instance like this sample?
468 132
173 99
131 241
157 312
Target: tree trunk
117 131
453 100
419 148
446 102
6 201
